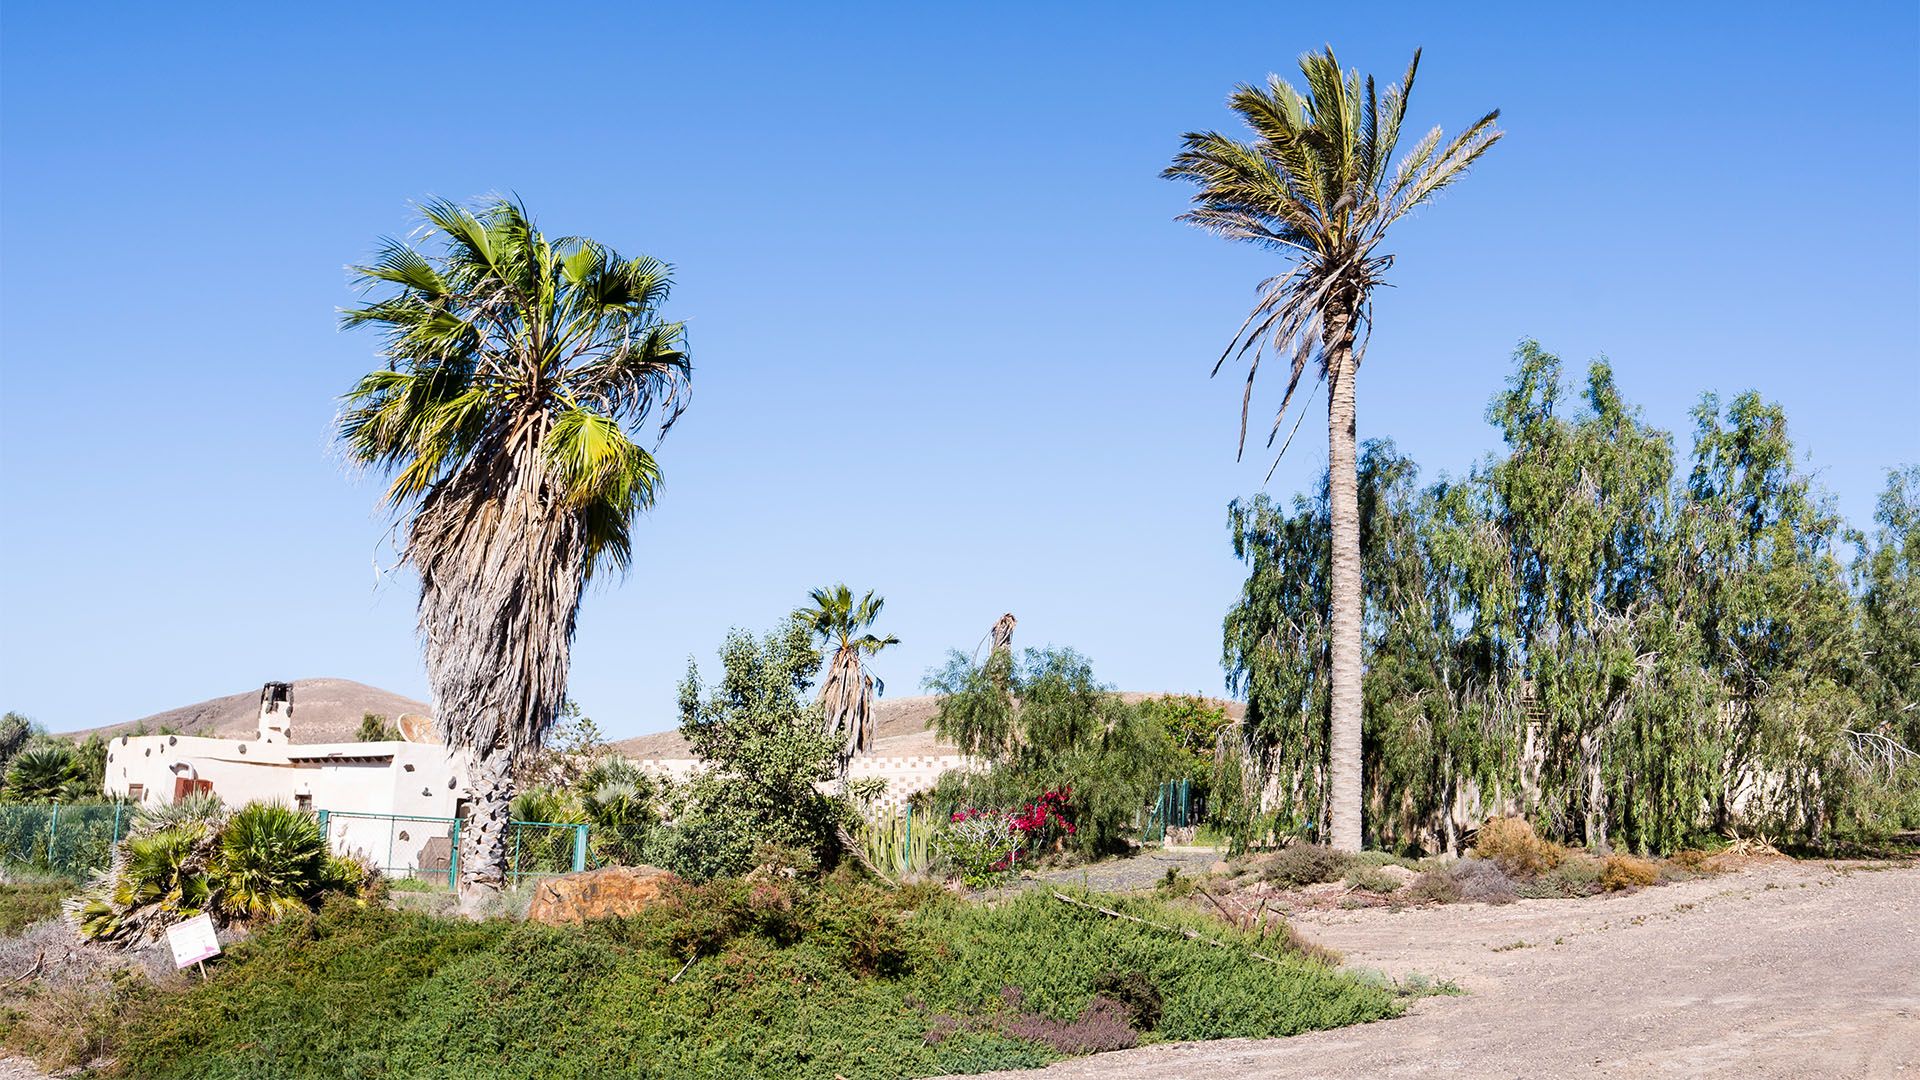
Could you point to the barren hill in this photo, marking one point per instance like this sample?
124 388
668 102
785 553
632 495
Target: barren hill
903 728
324 710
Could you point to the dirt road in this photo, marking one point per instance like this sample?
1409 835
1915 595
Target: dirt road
1781 970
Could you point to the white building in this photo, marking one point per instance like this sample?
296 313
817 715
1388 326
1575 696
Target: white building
394 802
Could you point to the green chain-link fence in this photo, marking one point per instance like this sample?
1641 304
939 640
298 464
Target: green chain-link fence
72 841
428 848
1175 806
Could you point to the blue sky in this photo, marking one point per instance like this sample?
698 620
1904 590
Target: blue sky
949 342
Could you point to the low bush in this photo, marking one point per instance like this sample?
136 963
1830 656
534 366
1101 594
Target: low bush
762 976
1372 879
1628 871
1382 858
1482 881
1437 886
1304 864
1577 875
1513 844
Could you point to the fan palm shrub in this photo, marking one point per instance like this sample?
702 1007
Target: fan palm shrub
272 861
262 862
621 802
49 772
1317 184
197 811
520 370
157 878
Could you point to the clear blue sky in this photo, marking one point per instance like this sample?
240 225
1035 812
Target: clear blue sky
949 342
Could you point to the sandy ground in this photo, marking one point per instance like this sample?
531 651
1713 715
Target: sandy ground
1779 970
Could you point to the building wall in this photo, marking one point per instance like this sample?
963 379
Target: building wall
420 780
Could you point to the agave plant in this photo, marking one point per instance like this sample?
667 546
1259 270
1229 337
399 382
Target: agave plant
272 861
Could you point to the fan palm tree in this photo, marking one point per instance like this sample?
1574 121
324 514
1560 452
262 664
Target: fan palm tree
848 691
520 372
1317 185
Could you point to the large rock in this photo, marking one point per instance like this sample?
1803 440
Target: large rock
598 894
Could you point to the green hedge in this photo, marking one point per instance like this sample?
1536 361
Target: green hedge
786 980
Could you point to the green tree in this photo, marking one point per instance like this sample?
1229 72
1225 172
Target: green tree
1627 653
764 753
1318 185
1888 573
843 628
374 727
15 730
1063 730
520 370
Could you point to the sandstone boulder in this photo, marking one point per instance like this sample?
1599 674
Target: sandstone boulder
598 894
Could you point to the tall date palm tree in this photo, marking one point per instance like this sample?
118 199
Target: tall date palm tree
520 373
1316 184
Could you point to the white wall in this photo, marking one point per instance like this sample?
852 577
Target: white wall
379 778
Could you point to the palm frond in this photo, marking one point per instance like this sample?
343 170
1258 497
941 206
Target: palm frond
1316 182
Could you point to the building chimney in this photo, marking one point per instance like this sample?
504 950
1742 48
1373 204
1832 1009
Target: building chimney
276 713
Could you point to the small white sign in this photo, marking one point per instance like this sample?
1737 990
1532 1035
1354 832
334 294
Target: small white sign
193 941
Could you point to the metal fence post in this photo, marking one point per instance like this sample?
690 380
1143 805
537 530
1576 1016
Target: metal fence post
579 848
116 820
453 859
53 830
325 836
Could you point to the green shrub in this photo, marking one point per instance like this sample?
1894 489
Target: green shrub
1305 864
48 772
763 976
1048 724
263 861
1577 875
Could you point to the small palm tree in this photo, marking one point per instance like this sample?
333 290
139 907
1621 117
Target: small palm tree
50 772
520 370
848 691
1318 186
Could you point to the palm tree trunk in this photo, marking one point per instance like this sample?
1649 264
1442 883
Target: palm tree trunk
1343 495
483 840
